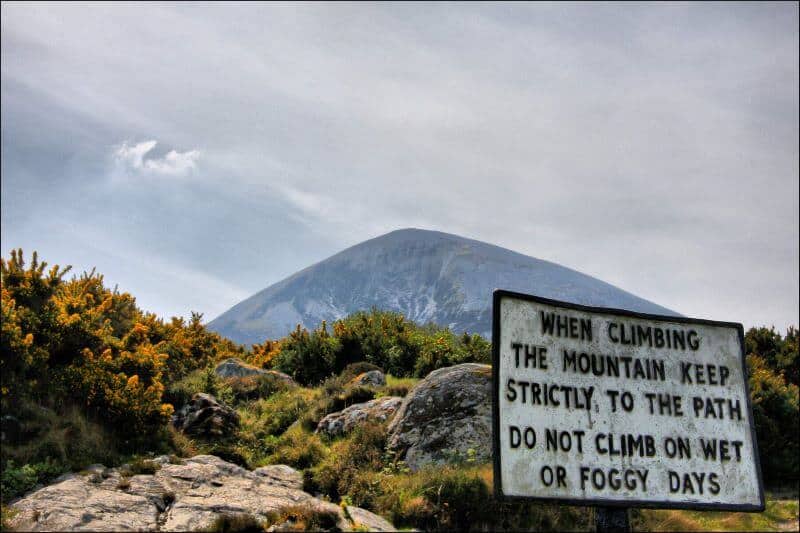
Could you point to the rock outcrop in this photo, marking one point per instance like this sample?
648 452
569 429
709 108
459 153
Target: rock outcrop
444 416
373 378
236 368
205 417
341 422
179 497
282 475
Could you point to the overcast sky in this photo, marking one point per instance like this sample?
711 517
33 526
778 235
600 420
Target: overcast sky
198 153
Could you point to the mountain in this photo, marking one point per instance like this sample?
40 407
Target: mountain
428 276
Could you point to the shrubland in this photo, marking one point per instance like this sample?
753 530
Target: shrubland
91 378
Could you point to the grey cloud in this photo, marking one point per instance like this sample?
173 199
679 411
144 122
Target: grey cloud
651 145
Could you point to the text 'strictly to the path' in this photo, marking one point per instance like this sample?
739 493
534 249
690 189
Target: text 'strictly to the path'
599 406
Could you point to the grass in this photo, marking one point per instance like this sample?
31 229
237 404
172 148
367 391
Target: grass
236 523
305 518
781 514
397 386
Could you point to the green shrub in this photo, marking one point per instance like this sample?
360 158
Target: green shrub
203 380
16 481
775 412
309 357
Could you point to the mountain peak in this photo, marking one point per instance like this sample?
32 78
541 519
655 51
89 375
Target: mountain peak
427 275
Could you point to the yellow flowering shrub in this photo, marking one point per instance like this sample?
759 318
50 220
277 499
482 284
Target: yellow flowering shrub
77 342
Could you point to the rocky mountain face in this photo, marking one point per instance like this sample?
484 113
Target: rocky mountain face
187 495
427 276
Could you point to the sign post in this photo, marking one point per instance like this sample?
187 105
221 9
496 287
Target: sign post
616 409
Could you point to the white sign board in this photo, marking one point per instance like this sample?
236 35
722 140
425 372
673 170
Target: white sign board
608 407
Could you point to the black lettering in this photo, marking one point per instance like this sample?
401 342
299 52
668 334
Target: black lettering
584 476
723 374
645 333
674 481
678 337
612 326
511 394
546 475
530 437
569 359
516 346
551 438
561 325
561 476
691 338
659 338
547 322
573 327
685 376
713 481
586 329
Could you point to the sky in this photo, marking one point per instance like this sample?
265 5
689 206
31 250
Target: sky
197 153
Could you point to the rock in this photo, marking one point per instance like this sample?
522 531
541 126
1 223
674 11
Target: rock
373 378
444 416
341 422
178 497
78 504
204 416
282 475
364 520
236 368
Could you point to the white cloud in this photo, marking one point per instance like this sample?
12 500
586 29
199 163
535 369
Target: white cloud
133 159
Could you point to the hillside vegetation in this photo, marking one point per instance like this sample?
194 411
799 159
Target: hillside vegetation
88 377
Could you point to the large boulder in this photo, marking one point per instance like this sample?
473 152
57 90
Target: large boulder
178 497
341 422
373 378
236 368
205 417
447 415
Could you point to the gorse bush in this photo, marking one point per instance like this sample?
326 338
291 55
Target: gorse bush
75 346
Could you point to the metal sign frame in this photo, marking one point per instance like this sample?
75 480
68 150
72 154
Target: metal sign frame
498 295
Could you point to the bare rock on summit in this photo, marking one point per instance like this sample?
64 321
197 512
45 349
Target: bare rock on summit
341 422
444 416
179 497
204 416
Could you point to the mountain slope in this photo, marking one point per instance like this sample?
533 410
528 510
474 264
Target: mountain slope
428 276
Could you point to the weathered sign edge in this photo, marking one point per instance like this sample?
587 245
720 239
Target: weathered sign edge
610 502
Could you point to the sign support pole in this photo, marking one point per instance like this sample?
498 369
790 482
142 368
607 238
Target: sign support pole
608 519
